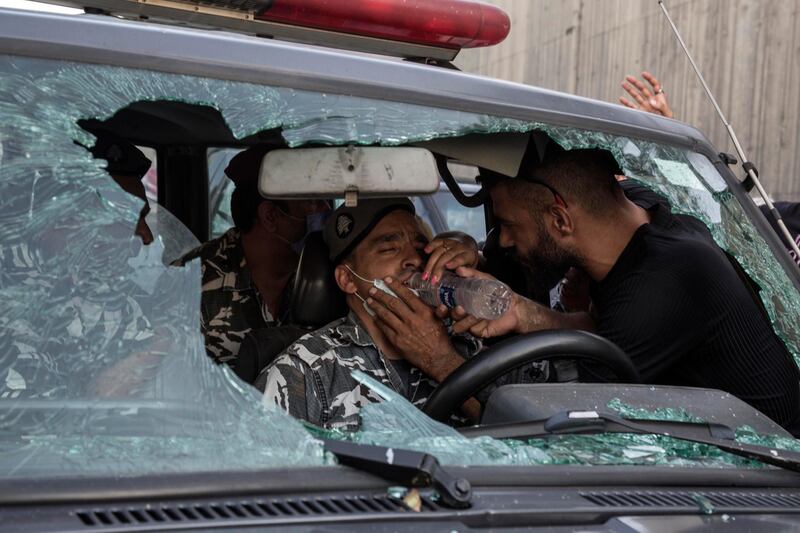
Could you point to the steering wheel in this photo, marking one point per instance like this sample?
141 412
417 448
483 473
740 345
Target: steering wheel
509 354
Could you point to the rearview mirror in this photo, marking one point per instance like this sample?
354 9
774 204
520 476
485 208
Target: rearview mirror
365 171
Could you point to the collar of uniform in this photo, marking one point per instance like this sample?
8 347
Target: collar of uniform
354 331
237 275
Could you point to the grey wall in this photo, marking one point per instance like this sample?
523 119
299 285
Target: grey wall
748 51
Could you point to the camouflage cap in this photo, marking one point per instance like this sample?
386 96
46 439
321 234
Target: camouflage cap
348 226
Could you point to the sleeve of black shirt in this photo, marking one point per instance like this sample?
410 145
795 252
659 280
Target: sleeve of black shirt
655 319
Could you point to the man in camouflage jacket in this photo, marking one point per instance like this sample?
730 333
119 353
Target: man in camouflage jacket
247 269
80 303
399 341
231 306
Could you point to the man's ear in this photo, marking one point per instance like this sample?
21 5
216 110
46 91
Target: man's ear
345 280
267 216
562 221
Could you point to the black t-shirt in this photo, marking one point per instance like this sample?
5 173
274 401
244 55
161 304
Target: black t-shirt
676 306
642 196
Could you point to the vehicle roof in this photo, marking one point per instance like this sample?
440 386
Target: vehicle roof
230 56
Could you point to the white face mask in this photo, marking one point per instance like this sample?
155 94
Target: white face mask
378 284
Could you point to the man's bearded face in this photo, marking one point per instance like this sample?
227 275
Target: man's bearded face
525 234
546 261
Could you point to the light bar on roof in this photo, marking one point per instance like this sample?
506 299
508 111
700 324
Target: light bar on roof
451 24
433 29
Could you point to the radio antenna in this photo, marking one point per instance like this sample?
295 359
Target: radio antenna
748 167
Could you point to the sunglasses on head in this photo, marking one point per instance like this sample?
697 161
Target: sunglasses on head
556 194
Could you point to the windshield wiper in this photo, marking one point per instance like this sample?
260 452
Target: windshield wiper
407 467
593 422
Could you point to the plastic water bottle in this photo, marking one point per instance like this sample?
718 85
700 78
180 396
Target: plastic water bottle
481 298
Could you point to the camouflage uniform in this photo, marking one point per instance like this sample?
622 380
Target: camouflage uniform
22 365
311 380
59 350
231 306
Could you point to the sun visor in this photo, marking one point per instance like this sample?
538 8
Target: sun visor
499 152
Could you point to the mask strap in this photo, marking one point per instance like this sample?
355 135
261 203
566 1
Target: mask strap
282 238
353 272
287 215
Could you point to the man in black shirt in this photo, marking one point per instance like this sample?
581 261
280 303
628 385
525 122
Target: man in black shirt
661 289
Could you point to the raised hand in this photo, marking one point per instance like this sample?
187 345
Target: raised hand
651 99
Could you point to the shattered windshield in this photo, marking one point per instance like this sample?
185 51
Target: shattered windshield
102 364
396 423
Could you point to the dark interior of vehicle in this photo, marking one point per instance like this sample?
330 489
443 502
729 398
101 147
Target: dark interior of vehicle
181 134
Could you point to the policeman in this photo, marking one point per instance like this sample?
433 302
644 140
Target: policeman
389 334
247 269
95 337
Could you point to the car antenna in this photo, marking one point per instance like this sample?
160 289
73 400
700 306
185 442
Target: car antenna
747 165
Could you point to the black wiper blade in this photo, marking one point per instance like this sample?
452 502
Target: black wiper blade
406 467
593 422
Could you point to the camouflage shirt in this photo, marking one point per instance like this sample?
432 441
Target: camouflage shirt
231 306
59 349
311 380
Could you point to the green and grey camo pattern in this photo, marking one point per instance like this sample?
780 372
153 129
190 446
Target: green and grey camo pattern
311 380
231 306
29 365
61 351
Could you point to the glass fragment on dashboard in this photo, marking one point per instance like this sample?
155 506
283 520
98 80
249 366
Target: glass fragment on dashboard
397 423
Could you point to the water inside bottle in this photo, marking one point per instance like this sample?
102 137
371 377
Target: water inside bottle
487 299
496 299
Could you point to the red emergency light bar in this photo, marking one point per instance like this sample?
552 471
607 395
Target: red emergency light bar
450 24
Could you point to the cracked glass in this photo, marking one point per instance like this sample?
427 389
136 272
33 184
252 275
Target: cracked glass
397 423
691 184
102 362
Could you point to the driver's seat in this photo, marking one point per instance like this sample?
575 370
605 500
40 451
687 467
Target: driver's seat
315 300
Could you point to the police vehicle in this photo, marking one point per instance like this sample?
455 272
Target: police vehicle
363 83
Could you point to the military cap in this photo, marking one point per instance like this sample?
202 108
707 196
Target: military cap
348 226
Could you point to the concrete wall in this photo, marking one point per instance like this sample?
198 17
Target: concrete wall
748 51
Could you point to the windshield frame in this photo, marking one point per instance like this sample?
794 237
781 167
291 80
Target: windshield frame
304 67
